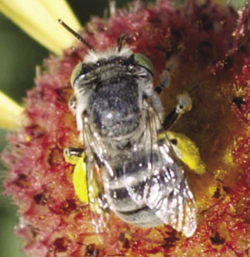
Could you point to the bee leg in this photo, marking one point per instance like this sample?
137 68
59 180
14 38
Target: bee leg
184 105
72 155
164 82
72 103
166 75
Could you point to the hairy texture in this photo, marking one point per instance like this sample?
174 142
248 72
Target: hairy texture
210 45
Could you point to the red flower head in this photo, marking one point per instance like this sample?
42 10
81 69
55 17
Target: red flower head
206 45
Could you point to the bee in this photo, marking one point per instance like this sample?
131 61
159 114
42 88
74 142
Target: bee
131 166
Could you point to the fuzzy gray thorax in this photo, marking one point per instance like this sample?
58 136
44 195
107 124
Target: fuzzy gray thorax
114 101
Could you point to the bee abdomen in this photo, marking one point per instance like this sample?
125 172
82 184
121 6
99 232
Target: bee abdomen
141 217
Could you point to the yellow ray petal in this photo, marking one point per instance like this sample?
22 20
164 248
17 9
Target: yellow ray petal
10 113
39 19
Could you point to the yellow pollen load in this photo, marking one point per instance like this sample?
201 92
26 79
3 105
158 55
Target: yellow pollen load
186 151
84 189
79 176
80 182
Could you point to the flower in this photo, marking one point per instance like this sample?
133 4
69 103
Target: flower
11 112
211 43
38 20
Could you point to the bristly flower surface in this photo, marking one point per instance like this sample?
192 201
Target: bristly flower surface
211 47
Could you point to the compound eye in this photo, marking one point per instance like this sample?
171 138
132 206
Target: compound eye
76 72
80 69
144 62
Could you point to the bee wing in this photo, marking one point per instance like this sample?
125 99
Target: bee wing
171 199
154 178
99 211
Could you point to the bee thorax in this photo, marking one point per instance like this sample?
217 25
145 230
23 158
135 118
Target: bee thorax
114 107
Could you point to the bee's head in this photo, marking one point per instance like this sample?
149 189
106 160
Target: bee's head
125 59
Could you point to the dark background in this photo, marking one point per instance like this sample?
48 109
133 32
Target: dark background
19 56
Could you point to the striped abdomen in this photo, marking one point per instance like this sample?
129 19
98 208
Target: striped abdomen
140 188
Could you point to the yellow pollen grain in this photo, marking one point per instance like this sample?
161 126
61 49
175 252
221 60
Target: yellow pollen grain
27 139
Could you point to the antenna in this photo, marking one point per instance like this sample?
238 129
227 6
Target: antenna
121 41
79 37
